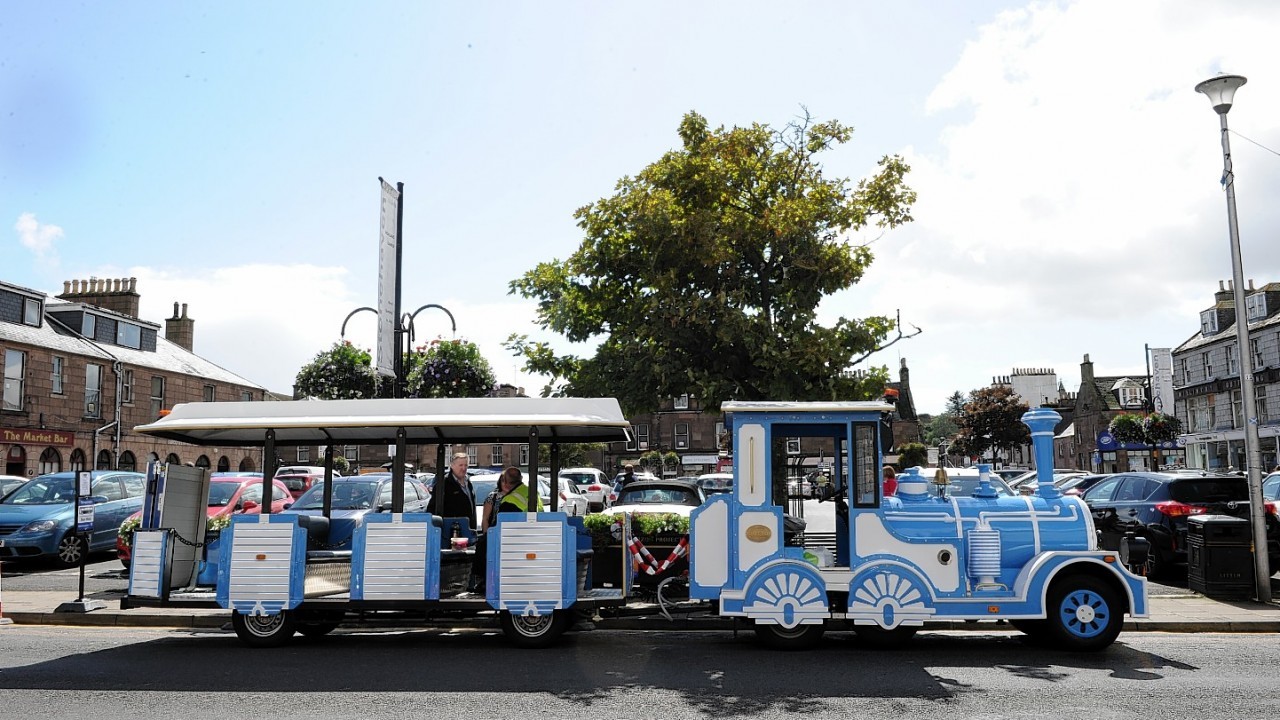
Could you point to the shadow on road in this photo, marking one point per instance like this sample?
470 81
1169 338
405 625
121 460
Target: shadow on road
717 673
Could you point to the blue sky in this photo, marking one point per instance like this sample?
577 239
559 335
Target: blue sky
227 155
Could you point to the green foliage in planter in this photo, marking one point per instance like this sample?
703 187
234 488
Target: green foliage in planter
1127 428
651 524
215 525
1161 428
912 455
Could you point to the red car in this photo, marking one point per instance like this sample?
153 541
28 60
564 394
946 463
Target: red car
228 495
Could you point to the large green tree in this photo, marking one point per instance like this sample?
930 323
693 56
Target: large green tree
703 274
991 419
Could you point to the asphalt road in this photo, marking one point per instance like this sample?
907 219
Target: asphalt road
63 672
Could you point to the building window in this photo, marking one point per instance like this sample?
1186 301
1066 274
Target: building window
1186 371
1198 407
682 436
56 375
1208 322
173 459
208 393
304 454
202 461
642 436
1236 407
472 452
89 326
1261 398
793 446
77 460
31 312
1256 306
1131 397
50 461
524 454
104 460
128 335
128 461
495 455
224 464
126 386
682 402
157 395
15 373
351 453
246 396
93 390
1208 366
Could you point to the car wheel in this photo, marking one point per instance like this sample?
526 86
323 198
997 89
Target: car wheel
534 631
1157 565
879 638
800 637
263 631
1084 614
71 550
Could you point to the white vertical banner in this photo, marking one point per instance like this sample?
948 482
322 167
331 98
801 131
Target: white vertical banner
388 242
1162 380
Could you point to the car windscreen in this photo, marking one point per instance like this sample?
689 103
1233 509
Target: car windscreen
579 478
347 495
655 496
220 493
964 486
46 491
1208 490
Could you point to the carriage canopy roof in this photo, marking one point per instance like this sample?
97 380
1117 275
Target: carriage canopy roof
425 421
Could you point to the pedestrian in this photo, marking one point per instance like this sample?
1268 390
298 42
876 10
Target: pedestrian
628 475
511 495
890 481
459 496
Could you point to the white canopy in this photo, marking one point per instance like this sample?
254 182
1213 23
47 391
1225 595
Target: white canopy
365 422
807 407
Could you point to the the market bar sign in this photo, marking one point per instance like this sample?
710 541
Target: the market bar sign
35 436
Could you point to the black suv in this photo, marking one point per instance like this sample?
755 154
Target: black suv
1156 506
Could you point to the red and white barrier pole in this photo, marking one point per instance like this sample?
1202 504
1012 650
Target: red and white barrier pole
3 620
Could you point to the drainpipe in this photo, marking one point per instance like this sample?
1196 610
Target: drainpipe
116 368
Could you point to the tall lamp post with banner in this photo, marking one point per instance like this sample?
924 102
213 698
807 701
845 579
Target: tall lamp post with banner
1221 92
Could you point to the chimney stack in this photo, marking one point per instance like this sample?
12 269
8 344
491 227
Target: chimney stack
119 295
180 329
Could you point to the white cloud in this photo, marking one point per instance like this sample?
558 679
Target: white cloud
264 322
1075 209
38 238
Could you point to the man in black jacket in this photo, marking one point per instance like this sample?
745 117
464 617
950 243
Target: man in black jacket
459 496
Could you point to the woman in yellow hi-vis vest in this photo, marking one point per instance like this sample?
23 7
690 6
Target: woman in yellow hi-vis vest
510 496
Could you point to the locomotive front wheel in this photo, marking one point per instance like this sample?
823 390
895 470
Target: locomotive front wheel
1084 614
800 637
263 630
881 639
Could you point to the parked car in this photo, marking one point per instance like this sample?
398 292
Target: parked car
592 483
1078 484
571 501
300 478
1008 474
9 483
38 519
799 487
229 494
1026 483
641 476
715 483
1156 506
353 498
483 485
659 496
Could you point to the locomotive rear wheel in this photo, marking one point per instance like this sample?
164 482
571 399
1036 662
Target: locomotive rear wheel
800 637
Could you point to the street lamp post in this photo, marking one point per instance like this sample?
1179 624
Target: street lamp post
1221 91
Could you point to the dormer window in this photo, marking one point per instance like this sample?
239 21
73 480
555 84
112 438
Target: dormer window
1256 306
682 402
89 326
128 335
1208 322
1131 397
31 312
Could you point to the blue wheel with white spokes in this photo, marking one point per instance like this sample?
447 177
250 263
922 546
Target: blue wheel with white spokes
1084 613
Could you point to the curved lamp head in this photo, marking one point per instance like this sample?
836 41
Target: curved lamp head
1221 90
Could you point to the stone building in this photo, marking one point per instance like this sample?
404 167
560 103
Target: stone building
82 370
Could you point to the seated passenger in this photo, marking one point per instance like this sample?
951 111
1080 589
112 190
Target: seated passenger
510 495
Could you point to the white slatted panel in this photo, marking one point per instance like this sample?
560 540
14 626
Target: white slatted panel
395 561
266 580
531 562
146 567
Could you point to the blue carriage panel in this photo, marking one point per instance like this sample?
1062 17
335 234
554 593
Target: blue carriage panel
531 563
263 564
396 558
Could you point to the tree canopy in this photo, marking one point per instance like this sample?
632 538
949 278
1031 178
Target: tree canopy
991 418
703 274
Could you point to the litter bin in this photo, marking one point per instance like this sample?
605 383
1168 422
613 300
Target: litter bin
1219 557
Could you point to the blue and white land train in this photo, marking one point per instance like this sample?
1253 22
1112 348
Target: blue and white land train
899 561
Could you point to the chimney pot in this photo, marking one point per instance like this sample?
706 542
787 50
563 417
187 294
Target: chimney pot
1220 288
66 287
175 310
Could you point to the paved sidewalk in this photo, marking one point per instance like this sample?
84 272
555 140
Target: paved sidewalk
1187 612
